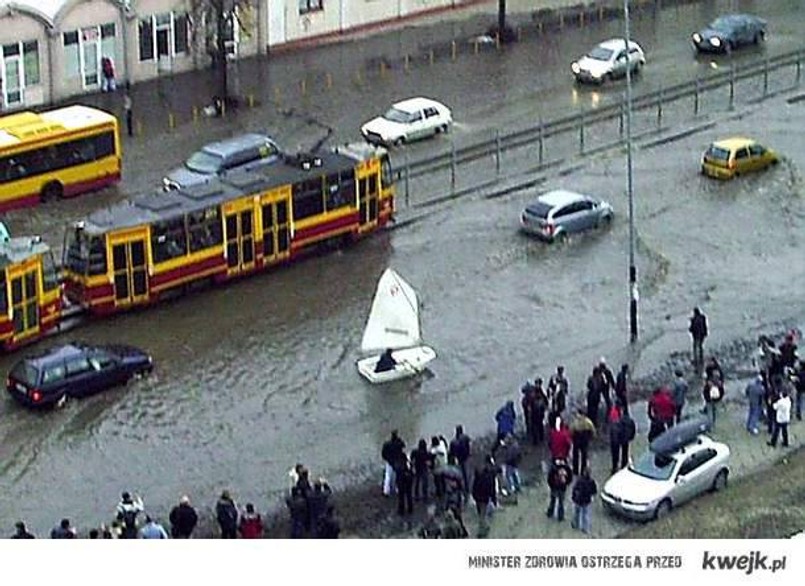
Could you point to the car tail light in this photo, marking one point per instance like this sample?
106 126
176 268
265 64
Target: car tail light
549 228
35 395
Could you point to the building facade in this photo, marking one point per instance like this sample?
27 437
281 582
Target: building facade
54 49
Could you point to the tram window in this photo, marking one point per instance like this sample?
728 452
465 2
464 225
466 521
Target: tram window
348 187
3 293
334 193
307 199
168 239
204 229
282 213
268 217
16 291
372 187
50 276
97 256
386 179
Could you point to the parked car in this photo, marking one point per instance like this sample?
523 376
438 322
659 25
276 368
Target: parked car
728 158
729 32
608 61
556 214
409 120
246 151
74 370
656 482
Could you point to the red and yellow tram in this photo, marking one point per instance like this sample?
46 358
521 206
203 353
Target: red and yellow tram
136 252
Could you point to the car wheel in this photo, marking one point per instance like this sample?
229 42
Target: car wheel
720 481
605 221
560 238
663 509
444 129
61 401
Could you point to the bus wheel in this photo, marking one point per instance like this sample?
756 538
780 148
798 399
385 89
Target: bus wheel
52 191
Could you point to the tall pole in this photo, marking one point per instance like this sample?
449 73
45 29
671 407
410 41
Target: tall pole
633 293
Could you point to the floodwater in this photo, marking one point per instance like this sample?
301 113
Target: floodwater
256 376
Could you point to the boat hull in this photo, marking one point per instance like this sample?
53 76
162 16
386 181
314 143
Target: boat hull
410 362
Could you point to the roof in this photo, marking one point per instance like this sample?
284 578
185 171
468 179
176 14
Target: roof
560 197
236 143
161 205
733 142
44 9
56 353
615 44
20 248
412 104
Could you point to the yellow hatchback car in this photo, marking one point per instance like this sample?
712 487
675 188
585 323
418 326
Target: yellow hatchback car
727 158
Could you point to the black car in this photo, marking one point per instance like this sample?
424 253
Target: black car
74 370
730 32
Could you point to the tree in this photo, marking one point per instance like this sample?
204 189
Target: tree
220 19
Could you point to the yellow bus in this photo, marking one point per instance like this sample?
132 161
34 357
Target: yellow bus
60 153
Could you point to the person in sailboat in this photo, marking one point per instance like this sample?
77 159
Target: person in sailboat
385 362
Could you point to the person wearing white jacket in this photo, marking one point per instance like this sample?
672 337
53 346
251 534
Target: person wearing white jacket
782 416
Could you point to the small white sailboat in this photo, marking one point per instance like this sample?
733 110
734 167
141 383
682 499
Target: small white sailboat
393 324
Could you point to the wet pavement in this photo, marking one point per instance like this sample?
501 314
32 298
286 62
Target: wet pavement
260 374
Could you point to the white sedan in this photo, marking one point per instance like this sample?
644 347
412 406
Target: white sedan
409 120
655 483
609 60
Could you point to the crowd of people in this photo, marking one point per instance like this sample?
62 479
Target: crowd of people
445 477
312 514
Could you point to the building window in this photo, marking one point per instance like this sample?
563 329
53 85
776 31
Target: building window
84 49
163 35
19 68
306 6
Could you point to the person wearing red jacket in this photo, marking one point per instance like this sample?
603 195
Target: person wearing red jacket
661 411
251 524
560 441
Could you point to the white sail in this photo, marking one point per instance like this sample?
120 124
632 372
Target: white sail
394 318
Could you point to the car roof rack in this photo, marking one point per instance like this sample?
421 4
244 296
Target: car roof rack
686 432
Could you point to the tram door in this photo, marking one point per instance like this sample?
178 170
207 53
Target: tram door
276 233
368 188
24 281
130 268
239 237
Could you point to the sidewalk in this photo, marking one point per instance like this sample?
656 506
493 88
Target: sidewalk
268 83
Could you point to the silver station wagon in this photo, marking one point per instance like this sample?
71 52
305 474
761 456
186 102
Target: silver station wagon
556 214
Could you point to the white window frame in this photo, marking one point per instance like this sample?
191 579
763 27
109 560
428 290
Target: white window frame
19 59
171 28
98 42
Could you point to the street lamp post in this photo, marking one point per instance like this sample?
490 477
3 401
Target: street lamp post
633 293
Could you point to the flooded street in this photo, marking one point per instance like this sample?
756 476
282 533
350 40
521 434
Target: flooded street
256 376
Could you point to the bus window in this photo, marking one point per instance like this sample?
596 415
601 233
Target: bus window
168 239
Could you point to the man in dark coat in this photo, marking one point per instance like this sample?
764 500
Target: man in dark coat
297 507
527 403
183 519
22 532
698 332
405 488
460 449
329 527
317 502
582 496
540 407
226 512
559 478
393 453
505 418
484 492
621 389
595 390
421 461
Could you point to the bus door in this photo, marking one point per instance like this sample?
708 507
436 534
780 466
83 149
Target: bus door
239 224
368 194
25 292
130 267
276 230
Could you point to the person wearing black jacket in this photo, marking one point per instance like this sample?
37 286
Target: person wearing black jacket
183 519
582 496
421 461
698 332
393 453
298 509
484 493
559 478
404 478
460 449
226 512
